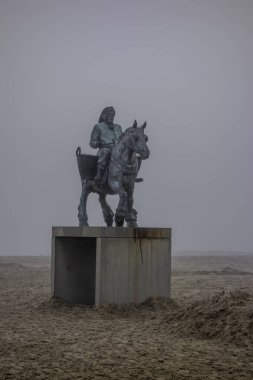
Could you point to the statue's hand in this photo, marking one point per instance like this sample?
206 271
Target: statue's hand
94 144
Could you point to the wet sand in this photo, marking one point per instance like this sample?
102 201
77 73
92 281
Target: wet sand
204 332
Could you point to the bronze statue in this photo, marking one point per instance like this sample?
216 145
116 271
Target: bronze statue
114 170
103 136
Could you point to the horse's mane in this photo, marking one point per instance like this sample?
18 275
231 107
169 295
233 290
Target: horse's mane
121 136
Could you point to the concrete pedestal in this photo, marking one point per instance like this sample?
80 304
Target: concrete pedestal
99 265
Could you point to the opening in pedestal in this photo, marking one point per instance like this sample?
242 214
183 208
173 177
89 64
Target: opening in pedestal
75 269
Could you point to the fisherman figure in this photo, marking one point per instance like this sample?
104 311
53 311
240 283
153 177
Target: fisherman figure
103 136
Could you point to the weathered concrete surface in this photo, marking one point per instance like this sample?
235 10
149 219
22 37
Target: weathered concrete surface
98 265
156 233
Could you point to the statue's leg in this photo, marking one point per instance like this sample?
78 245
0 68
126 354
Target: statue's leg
103 157
131 217
107 211
82 213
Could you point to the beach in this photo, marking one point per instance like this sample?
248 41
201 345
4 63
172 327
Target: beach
204 331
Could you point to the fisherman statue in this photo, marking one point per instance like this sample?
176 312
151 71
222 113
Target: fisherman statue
114 170
103 136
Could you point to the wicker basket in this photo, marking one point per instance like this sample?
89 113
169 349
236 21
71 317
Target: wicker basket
87 164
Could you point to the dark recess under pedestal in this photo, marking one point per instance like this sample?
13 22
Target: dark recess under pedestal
75 272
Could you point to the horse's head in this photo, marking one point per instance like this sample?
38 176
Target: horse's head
137 140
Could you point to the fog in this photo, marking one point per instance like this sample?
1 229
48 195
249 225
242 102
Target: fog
183 66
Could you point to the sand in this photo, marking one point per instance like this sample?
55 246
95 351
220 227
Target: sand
204 332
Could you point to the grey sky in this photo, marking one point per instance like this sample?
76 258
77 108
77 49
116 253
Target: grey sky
183 66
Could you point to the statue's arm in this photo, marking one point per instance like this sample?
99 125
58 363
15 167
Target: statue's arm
94 139
119 130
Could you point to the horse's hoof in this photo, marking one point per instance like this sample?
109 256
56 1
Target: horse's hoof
119 221
132 223
109 221
83 224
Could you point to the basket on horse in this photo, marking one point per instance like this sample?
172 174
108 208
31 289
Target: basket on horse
87 164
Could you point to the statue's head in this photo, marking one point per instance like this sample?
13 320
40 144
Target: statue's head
107 115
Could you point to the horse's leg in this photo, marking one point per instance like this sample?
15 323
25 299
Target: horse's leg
131 217
107 211
121 210
82 213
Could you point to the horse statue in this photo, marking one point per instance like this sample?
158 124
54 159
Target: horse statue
123 167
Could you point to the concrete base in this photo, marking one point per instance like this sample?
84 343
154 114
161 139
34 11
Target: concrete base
99 265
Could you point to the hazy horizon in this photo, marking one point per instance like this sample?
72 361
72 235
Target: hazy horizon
183 66
185 253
